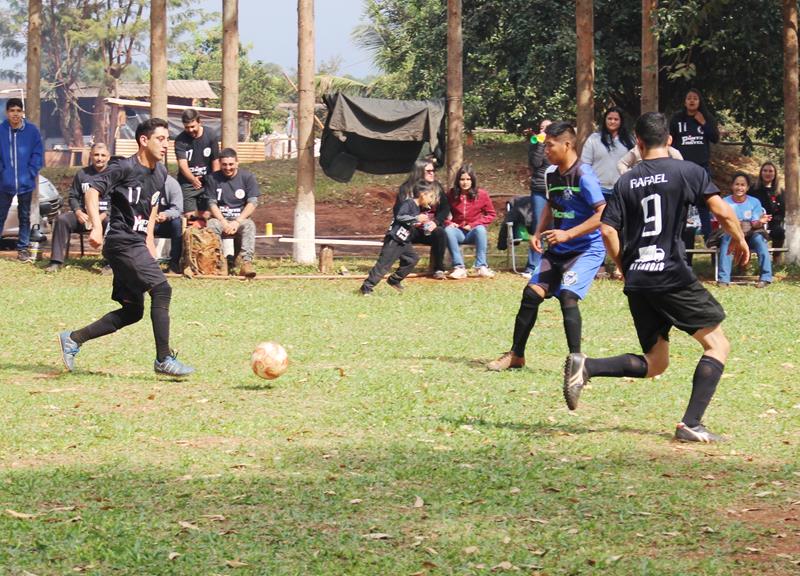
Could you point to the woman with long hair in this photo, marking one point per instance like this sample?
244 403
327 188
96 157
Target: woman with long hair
768 191
604 149
753 219
431 231
471 212
693 130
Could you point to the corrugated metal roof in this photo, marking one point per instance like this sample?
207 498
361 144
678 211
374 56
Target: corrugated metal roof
198 89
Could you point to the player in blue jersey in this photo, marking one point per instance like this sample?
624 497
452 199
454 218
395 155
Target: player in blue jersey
567 235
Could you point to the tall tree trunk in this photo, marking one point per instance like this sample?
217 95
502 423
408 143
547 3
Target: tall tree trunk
584 28
791 129
158 59
33 80
455 90
230 73
304 219
649 57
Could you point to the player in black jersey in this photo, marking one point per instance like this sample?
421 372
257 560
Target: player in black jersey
197 152
134 185
642 227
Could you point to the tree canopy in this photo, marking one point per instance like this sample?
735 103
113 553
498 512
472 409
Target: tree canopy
519 56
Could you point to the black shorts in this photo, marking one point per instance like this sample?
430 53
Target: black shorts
690 309
135 271
194 199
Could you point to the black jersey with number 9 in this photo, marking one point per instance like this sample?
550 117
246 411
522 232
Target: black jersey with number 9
649 209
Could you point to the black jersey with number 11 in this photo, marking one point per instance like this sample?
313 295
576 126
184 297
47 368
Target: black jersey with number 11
649 208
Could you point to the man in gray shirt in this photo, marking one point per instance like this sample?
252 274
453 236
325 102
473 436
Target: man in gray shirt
169 223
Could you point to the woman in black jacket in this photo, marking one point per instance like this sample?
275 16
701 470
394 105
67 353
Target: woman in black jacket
693 130
770 194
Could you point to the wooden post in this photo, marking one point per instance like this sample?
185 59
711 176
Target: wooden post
455 90
230 73
304 219
584 66
158 59
649 100
791 130
33 81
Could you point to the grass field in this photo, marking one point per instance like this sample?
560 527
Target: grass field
386 448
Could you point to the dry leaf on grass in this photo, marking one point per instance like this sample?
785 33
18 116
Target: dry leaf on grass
471 550
235 564
418 502
19 515
504 565
173 555
356 501
188 525
377 536
214 517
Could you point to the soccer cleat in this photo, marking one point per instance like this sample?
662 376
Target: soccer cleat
485 272
762 284
53 267
24 255
527 274
699 433
439 275
575 378
171 366
365 291
247 270
505 362
397 286
458 273
69 349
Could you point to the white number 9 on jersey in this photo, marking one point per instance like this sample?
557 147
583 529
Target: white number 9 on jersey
651 207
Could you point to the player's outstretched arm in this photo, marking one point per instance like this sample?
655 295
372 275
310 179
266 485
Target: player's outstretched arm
730 223
92 200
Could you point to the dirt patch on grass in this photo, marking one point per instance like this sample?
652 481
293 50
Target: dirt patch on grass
777 551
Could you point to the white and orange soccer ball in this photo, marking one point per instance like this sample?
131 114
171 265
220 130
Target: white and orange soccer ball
269 360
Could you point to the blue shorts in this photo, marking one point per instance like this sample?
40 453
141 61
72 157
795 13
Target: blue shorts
573 271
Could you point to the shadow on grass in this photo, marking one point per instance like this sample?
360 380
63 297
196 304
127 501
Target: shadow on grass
44 371
254 387
542 428
365 509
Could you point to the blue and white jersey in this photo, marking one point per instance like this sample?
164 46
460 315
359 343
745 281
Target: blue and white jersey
573 198
747 211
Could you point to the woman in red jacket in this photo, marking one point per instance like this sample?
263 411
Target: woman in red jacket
471 212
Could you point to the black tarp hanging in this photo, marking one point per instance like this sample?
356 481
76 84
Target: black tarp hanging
379 136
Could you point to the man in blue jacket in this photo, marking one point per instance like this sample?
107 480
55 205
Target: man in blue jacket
21 154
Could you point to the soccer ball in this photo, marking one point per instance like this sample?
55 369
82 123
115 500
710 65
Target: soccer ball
269 360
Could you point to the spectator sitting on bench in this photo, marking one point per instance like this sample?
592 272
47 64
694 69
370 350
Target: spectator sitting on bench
169 223
770 194
431 233
753 219
77 220
232 198
471 212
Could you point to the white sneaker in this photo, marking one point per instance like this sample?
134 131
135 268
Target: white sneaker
527 275
458 273
485 272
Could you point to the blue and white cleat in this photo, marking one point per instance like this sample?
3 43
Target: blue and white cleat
171 366
69 349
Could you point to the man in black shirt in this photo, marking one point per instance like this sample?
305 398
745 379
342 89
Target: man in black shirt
77 220
232 198
197 152
134 186
642 227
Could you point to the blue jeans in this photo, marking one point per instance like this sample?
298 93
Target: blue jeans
23 214
172 229
758 245
477 236
538 202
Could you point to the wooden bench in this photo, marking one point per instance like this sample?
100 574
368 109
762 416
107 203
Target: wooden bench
714 253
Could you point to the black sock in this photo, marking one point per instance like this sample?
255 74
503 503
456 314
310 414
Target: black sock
159 315
572 319
111 322
704 384
526 319
631 365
